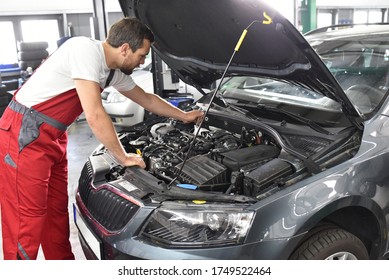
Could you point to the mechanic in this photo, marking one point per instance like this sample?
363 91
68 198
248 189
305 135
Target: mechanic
33 133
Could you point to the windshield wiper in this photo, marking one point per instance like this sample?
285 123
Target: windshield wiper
201 120
242 111
299 118
296 117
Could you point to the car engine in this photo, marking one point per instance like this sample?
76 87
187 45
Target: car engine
231 156
219 160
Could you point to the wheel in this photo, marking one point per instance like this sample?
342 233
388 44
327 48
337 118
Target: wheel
30 63
331 244
29 46
33 55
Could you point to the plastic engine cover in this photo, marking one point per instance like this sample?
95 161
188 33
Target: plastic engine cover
203 172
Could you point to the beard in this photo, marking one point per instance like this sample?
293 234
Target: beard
126 71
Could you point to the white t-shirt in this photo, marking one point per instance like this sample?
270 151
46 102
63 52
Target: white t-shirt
78 58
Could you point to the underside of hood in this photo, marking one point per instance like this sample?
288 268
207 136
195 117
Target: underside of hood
197 38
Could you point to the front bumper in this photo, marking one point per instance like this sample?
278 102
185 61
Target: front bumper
110 218
125 244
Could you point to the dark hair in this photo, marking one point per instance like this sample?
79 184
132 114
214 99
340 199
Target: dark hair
131 31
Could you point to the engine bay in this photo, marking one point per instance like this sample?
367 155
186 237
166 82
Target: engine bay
228 157
216 160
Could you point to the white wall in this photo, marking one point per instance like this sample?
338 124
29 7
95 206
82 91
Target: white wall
353 3
15 7
285 7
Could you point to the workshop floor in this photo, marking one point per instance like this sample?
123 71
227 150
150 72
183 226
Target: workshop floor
81 143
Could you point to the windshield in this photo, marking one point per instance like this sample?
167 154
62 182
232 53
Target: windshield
360 65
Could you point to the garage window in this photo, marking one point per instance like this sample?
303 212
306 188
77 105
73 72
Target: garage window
41 30
8 54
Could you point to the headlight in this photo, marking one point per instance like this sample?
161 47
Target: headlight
116 97
194 226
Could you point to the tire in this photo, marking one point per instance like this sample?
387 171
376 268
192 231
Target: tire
331 244
30 63
33 55
30 46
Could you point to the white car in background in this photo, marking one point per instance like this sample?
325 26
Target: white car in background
124 112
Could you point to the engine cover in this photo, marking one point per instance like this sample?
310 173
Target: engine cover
203 172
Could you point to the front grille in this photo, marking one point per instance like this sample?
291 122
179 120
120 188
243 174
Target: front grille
85 181
112 211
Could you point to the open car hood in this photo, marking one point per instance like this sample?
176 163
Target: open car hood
197 38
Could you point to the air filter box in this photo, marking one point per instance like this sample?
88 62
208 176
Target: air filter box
237 159
265 175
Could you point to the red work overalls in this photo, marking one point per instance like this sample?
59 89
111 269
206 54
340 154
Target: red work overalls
33 174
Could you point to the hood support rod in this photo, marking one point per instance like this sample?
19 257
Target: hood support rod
201 120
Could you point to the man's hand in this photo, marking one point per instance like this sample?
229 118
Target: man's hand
133 159
193 116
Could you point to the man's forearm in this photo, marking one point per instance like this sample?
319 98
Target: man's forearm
105 132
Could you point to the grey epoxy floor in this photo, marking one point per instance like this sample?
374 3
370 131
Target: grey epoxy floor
81 143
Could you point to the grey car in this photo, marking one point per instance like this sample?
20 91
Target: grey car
290 161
